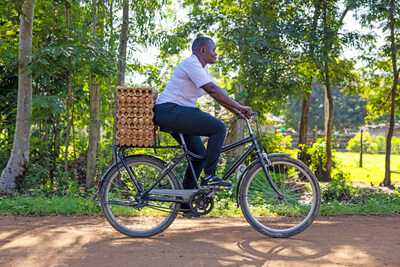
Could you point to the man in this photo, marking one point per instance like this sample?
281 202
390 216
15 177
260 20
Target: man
176 112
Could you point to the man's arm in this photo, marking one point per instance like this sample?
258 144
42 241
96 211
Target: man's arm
224 100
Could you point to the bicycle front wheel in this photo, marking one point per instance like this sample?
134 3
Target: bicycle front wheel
130 214
289 214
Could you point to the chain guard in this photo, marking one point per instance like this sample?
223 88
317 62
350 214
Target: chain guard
200 204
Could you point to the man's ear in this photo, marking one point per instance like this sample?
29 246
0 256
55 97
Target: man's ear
202 50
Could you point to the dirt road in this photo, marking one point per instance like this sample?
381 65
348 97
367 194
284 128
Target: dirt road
90 241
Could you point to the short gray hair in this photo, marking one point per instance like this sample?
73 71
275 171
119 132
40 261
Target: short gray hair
199 42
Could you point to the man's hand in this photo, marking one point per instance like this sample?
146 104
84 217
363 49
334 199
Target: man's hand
245 112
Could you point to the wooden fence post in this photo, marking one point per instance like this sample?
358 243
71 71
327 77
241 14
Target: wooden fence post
361 148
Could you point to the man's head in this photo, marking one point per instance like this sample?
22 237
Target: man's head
204 49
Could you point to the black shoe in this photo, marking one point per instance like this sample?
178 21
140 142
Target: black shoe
213 182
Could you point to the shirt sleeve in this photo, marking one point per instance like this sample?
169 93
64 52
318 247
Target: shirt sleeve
199 75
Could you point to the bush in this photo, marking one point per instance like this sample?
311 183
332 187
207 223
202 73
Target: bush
317 159
339 188
372 144
274 143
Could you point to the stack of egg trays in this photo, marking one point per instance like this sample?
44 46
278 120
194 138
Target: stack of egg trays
135 116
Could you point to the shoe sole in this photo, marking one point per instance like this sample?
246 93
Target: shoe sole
216 187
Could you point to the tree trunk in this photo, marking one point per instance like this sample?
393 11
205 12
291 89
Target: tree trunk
361 148
69 93
18 163
94 134
73 132
327 176
328 47
94 131
123 41
56 151
303 128
387 181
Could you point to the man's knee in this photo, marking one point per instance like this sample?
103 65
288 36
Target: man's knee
220 127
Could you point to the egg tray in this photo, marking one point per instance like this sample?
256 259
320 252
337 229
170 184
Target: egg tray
135 127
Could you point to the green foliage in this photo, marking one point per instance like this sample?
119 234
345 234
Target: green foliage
318 156
342 198
8 108
372 144
42 206
339 188
75 204
276 142
381 59
256 46
377 204
350 110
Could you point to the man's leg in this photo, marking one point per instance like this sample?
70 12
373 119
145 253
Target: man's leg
192 121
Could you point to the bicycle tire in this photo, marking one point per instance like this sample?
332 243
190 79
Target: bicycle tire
118 192
289 216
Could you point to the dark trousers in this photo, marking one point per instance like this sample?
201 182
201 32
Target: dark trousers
193 123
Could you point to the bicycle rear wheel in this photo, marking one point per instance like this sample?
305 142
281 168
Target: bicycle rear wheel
286 216
129 214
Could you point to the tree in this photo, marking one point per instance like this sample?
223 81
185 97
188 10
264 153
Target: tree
382 72
351 110
123 41
94 128
69 93
394 46
322 42
256 48
19 159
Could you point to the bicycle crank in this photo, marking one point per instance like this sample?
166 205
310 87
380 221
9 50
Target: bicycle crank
200 203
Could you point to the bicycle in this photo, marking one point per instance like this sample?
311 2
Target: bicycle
141 195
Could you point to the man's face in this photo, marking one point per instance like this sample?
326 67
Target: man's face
209 53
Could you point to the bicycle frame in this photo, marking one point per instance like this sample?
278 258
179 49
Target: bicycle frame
261 155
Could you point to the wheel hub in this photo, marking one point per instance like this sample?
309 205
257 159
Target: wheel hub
280 197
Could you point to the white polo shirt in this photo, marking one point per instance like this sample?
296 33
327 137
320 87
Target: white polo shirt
184 86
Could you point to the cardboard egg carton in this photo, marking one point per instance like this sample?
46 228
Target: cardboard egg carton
135 116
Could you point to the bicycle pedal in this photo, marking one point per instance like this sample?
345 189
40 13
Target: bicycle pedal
190 214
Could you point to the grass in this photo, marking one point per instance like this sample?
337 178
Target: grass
373 168
374 204
45 206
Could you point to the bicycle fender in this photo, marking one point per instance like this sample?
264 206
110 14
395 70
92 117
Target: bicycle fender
278 155
239 184
100 184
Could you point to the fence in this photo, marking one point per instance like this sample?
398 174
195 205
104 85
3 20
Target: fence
374 144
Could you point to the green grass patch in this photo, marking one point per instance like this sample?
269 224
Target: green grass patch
372 204
372 171
43 206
